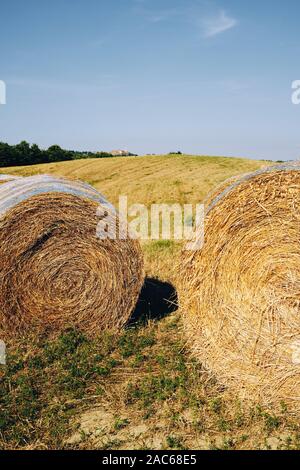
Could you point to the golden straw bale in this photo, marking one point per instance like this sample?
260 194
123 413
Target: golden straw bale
55 271
240 294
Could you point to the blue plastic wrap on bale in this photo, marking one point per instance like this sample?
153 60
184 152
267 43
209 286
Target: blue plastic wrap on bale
21 189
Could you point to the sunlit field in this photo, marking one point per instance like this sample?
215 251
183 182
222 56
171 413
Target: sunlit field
139 389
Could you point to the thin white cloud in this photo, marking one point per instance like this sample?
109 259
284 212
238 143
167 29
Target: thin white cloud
105 83
162 16
218 24
157 16
152 14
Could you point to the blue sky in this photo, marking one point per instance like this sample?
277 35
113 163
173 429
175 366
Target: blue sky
200 76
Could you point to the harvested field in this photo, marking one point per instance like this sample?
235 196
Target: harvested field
118 391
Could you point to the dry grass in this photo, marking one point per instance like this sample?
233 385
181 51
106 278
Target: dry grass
140 388
150 179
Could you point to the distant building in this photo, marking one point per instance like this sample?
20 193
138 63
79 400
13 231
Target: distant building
120 153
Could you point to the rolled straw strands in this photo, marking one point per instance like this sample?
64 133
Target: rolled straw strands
240 294
55 270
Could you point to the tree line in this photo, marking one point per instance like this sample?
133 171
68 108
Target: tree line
26 154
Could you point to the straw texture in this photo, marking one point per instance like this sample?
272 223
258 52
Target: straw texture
55 271
240 294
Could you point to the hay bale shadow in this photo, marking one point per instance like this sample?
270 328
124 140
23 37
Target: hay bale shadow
157 300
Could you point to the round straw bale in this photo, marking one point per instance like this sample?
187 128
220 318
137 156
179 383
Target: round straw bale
240 294
55 271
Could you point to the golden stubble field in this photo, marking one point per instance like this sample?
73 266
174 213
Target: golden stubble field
139 389
148 180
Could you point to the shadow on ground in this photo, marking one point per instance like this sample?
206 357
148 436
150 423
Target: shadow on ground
157 300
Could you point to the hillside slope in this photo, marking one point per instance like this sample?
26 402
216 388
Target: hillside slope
149 179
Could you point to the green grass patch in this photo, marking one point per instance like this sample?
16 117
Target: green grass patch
145 371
